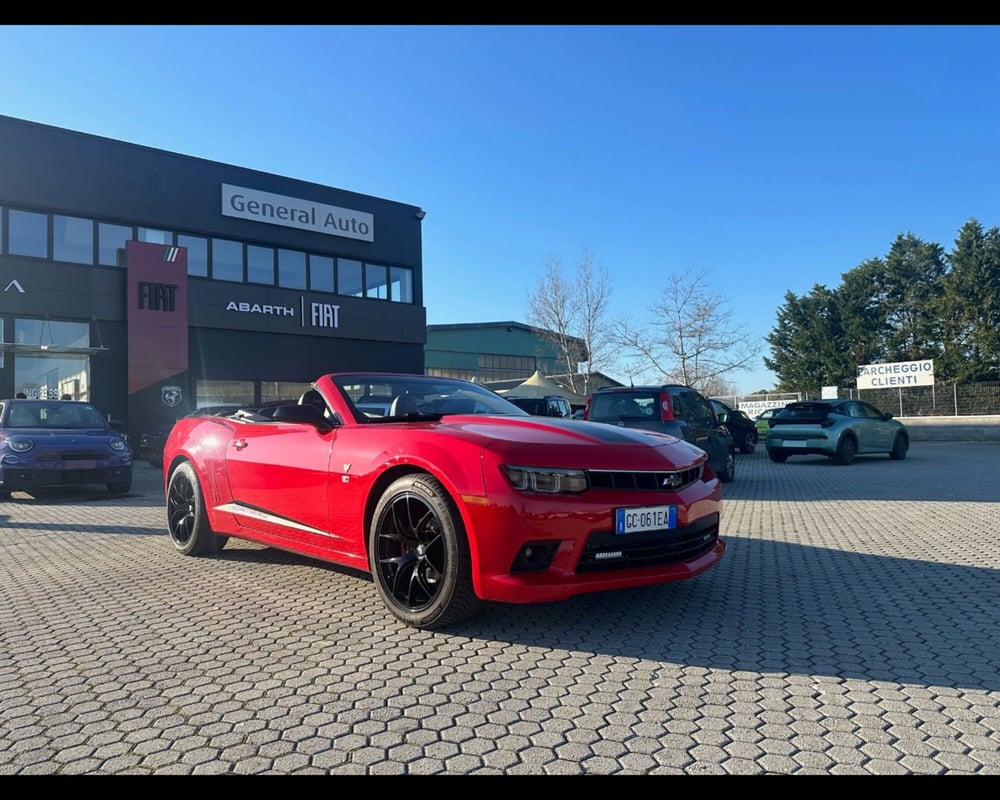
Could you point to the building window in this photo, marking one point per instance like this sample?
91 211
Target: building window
197 253
502 367
260 264
45 377
72 239
111 244
452 372
321 273
217 393
282 390
377 281
28 233
349 278
292 269
155 236
401 285
227 260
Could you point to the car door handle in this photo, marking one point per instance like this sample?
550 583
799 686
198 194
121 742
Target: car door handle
239 444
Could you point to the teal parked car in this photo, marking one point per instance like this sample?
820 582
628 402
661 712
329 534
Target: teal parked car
838 429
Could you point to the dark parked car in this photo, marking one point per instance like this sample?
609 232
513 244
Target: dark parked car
672 408
454 499
548 406
740 426
838 429
46 443
151 442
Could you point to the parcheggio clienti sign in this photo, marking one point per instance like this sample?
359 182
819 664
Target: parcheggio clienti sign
898 373
294 212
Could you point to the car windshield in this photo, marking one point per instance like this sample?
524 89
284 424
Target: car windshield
806 410
615 405
48 414
386 395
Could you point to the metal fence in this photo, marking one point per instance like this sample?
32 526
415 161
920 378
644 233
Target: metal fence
951 400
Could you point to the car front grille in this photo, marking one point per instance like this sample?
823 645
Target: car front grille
70 456
672 481
606 550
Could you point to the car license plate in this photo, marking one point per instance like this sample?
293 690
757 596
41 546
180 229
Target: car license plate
73 466
793 443
648 518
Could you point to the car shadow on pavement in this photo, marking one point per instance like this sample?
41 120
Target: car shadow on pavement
787 608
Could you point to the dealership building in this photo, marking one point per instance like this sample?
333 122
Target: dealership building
150 282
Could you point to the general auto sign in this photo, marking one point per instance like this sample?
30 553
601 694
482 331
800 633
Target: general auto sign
295 212
896 374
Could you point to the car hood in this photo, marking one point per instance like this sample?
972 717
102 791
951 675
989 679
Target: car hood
634 447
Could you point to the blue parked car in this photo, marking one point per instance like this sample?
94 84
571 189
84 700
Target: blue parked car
46 443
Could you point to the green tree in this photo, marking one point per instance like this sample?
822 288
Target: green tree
969 307
808 343
861 298
913 284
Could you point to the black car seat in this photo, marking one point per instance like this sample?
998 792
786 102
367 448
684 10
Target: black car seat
311 397
404 404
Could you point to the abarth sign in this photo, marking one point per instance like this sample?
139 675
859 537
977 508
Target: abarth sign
171 396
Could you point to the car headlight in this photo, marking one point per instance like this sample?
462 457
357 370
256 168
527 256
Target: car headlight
20 444
117 444
545 479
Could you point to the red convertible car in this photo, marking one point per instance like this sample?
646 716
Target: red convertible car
447 494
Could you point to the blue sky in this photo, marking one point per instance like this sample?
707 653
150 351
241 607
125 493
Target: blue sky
771 158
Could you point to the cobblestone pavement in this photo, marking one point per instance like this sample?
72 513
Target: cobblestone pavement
852 627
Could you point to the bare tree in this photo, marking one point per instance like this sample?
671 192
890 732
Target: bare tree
690 337
570 310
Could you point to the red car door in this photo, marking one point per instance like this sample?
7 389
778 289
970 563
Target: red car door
279 476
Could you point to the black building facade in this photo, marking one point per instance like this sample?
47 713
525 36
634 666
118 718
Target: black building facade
151 283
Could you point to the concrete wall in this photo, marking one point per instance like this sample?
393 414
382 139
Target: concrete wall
953 429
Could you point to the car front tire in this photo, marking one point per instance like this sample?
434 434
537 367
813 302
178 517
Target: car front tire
728 468
749 444
900 446
777 456
119 487
187 521
419 555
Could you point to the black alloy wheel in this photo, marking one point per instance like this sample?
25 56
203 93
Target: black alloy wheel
187 522
419 555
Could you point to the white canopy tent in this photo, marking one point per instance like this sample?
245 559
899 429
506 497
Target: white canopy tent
540 386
